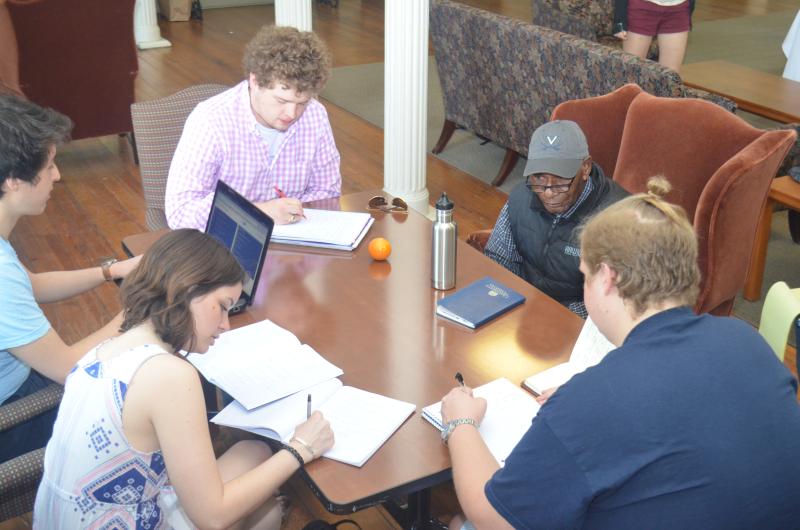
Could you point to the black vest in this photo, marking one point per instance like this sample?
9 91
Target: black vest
549 244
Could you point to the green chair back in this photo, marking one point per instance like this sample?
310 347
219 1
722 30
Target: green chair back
781 308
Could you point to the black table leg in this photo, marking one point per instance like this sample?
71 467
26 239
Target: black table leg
416 513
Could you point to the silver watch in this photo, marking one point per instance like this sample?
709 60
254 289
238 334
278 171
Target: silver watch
451 426
105 266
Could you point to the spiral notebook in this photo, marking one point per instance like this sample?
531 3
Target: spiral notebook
509 413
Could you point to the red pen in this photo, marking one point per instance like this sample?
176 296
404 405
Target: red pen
282 195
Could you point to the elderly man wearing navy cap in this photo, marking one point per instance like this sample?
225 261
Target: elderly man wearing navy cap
535 236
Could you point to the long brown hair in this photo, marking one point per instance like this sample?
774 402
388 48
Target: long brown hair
649 243
179 267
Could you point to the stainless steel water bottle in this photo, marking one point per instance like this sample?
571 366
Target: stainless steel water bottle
443 249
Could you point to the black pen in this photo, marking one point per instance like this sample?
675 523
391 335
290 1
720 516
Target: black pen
460 378
308 407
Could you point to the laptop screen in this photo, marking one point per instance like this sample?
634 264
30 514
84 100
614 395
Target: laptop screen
244 229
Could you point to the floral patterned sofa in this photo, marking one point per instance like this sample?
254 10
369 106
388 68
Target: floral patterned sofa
588 19
501 77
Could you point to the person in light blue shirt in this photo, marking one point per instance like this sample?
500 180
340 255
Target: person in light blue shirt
31 352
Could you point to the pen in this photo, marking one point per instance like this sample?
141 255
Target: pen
308 407
460 378
282 195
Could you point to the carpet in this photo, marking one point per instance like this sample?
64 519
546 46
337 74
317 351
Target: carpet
753 41
465 151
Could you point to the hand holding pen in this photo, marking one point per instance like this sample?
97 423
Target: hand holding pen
283 210
314 436
460 403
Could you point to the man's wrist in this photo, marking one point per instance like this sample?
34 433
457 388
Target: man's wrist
452 425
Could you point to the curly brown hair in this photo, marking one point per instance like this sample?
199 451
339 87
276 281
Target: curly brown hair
179 267
649 243
298 58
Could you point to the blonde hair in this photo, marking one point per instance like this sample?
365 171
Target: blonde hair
650 245
284 54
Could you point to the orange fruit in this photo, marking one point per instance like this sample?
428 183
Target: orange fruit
379 248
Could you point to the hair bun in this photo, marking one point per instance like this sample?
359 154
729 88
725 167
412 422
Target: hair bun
658 186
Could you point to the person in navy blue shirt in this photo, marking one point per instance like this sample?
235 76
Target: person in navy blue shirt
692 422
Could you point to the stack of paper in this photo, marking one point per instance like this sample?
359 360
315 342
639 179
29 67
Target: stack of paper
361 421
509 412
262 362
326 229
589 349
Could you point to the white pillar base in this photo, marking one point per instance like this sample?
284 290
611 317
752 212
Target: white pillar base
160 43
145 26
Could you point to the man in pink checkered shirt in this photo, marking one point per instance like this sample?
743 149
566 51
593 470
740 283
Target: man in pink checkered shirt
267 137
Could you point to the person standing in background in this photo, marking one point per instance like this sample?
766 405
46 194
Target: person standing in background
636 22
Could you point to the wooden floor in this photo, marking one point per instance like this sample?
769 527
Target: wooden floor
99 199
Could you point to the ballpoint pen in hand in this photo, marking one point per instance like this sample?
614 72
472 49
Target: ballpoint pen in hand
460 378
282 195
308 407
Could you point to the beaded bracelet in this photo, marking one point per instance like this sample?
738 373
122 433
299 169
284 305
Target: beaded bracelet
295 454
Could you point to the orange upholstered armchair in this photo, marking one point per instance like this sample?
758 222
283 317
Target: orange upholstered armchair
719 166
78 57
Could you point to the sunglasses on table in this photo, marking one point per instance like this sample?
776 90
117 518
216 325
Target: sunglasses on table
379 203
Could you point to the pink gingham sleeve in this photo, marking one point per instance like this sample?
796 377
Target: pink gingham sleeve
193 174
326 179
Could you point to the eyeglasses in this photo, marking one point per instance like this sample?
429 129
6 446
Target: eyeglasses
379 203
557 189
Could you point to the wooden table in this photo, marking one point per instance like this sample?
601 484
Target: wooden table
376 321
783 191
767 95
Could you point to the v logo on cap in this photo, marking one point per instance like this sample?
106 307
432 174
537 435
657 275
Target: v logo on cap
552 140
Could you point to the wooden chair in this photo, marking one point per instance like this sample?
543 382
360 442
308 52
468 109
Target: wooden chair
158 125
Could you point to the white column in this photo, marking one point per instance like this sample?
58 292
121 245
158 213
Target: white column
406 101
145 26
295 13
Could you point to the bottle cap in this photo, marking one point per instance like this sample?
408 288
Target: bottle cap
444 202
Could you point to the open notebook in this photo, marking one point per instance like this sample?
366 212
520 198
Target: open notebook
361 421
326 229
509 412
262 362
589 349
